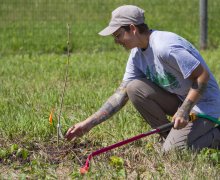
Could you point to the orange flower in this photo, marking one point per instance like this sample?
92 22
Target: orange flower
51 117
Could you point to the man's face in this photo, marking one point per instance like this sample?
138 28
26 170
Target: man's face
123 38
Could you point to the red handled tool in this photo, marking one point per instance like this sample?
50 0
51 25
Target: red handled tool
162 128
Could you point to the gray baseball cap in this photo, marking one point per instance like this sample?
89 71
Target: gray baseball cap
122 16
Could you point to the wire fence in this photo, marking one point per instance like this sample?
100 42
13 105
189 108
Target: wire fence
40 25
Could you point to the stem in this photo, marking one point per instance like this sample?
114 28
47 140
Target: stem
59 132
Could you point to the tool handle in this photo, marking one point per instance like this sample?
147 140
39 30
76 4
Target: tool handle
212 119
165 127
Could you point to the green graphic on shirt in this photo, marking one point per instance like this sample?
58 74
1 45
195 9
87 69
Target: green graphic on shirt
166 80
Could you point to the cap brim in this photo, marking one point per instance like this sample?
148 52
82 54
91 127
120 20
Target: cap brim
108 31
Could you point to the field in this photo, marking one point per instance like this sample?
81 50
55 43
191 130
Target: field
33 56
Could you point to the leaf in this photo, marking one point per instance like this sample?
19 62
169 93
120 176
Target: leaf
25 154
13 148
3 153
116 162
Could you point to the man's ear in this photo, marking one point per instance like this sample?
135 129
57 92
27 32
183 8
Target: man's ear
133 28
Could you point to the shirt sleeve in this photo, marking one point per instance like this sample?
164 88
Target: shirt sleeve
183 60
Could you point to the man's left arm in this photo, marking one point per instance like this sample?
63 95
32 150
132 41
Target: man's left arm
200 77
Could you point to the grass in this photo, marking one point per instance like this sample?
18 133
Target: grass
32 68
42 28
32 86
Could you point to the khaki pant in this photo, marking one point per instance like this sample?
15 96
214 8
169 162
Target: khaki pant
154 104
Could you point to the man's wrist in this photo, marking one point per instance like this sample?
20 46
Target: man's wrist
183 113
96 119
185 109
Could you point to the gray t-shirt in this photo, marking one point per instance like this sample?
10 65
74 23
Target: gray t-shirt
168 62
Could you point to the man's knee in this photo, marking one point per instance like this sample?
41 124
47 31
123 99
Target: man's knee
140 89
135 90
132 87
177 139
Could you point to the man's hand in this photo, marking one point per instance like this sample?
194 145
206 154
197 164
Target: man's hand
180 119
77 130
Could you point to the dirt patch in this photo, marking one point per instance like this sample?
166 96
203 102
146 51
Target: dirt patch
58 154
49 151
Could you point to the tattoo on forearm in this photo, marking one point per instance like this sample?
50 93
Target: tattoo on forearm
185 108
112 105
199 87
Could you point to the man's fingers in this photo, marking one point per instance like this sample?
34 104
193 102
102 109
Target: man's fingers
176 124
71 135
179 124
69 130
74 132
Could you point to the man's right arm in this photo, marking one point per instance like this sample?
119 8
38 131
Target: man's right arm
109 108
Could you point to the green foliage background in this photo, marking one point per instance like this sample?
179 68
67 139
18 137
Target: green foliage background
40 25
